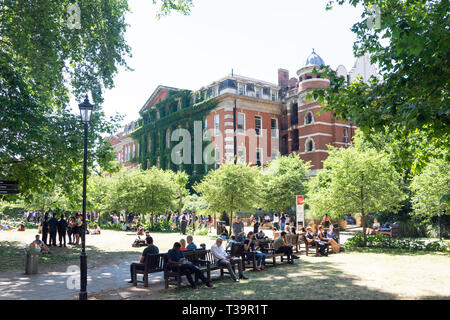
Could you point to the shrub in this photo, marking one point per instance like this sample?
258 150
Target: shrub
382 241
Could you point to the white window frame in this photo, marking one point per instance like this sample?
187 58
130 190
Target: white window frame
275 152
312 118
240 131
242 150
216 124
272 131
260 126
217 158
313 145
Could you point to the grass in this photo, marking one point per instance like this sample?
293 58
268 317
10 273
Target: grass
12 255
348 276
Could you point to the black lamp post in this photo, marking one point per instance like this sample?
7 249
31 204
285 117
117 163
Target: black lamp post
86 113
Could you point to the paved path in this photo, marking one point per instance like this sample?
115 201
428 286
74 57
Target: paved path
59 285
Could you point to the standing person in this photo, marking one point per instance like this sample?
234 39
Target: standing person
177 261
184 223
70 227
282 221
221 258
53 228
276 221
326 220
210 223
256 225
238 229
78 228
45 228
62 228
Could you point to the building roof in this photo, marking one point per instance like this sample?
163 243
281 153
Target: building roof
155 93
314 60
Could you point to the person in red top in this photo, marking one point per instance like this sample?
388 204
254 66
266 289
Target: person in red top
183 245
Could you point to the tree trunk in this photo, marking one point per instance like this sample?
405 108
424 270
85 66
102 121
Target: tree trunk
363 218
231 222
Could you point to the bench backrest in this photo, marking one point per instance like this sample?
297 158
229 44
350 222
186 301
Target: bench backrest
237 249
154 262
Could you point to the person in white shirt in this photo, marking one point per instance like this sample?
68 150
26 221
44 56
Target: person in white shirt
223 259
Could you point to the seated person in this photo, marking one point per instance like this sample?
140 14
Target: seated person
21 228
221 258
374 227
260 235
287 229
293 230
183 245
276 233
175 259
224 234
281 245
386 227
203 246
151 249
230 243
96 229
38 246
125 227
331 234
323 237
140 230
249 247
191 245
314 241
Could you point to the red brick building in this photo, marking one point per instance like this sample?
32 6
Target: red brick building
271 119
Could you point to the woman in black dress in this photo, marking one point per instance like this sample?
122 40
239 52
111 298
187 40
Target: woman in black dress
45 228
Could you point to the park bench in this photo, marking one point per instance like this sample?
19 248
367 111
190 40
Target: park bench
309 247
203 259
266 247
294 241
153 263
393 232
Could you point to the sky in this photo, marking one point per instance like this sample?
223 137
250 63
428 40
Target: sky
253 37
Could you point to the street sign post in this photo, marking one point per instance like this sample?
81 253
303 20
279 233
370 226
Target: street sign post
300 210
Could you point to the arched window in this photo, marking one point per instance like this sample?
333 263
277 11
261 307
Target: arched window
309 145
309 117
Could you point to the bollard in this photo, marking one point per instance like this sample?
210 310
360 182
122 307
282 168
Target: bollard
31 262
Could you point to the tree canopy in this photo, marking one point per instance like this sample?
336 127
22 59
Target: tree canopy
282 180
356 182
411 47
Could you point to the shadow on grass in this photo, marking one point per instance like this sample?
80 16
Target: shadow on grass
395 252
12 256
302 281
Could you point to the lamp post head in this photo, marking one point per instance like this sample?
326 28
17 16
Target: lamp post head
86 109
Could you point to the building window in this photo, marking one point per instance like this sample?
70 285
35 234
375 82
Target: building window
134 150
242 154
241 89
179 105
241 123
294 114
346 135
216 125
258 93
157 115
309 118
275 154
258 125
274 96
274 127
168 138
217 154
309 145
258 156
206 123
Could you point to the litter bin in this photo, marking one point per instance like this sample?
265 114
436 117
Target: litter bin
221 225
31 262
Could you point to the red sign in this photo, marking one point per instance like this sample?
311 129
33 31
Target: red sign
299 200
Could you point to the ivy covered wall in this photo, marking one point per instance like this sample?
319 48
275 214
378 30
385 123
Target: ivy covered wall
179 110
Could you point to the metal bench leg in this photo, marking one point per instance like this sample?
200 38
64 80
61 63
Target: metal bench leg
146 280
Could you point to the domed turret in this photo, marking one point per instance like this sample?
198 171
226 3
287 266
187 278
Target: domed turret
314 60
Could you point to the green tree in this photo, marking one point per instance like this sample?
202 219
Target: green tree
145 192
430 190
410 45
355 181
282 180
45 60
230 188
